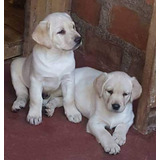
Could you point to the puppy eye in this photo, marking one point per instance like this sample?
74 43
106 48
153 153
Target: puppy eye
61 32
74 27
125 94
110 92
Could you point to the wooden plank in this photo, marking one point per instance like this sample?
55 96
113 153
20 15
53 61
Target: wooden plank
17 3
148 81
10 52
11 37
14 17
30 20
13 30
15 23
16 11
36 11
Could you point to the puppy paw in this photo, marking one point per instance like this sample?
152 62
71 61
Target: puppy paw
18 104
34 118
120 139
49 109
112 148
74 115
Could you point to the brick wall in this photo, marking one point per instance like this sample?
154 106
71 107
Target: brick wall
115 33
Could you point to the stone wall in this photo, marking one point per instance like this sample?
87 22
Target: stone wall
115 33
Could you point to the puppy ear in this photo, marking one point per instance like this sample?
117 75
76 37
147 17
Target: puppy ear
136 89
99 83
42 34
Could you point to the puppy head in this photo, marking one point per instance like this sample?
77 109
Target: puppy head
117 89
58 31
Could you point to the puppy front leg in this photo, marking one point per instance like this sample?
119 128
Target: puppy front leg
71 111
35 108
97 128
119 134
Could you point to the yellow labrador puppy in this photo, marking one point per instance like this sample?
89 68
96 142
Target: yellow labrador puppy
106 100
49 67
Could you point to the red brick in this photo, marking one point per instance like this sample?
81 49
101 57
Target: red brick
150 2
101 54
127 25
88 10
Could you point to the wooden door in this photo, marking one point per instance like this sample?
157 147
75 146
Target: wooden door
13 28
37 10
146 113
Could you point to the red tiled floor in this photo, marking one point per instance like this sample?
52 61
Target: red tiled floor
58 139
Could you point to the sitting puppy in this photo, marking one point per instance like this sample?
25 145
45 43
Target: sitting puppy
48 68
106 100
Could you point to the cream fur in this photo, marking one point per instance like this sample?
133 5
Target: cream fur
50 67
94 101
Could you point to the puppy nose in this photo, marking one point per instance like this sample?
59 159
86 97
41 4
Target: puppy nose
115 106
78 40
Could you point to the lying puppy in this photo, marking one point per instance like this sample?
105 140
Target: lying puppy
49 67
106 100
